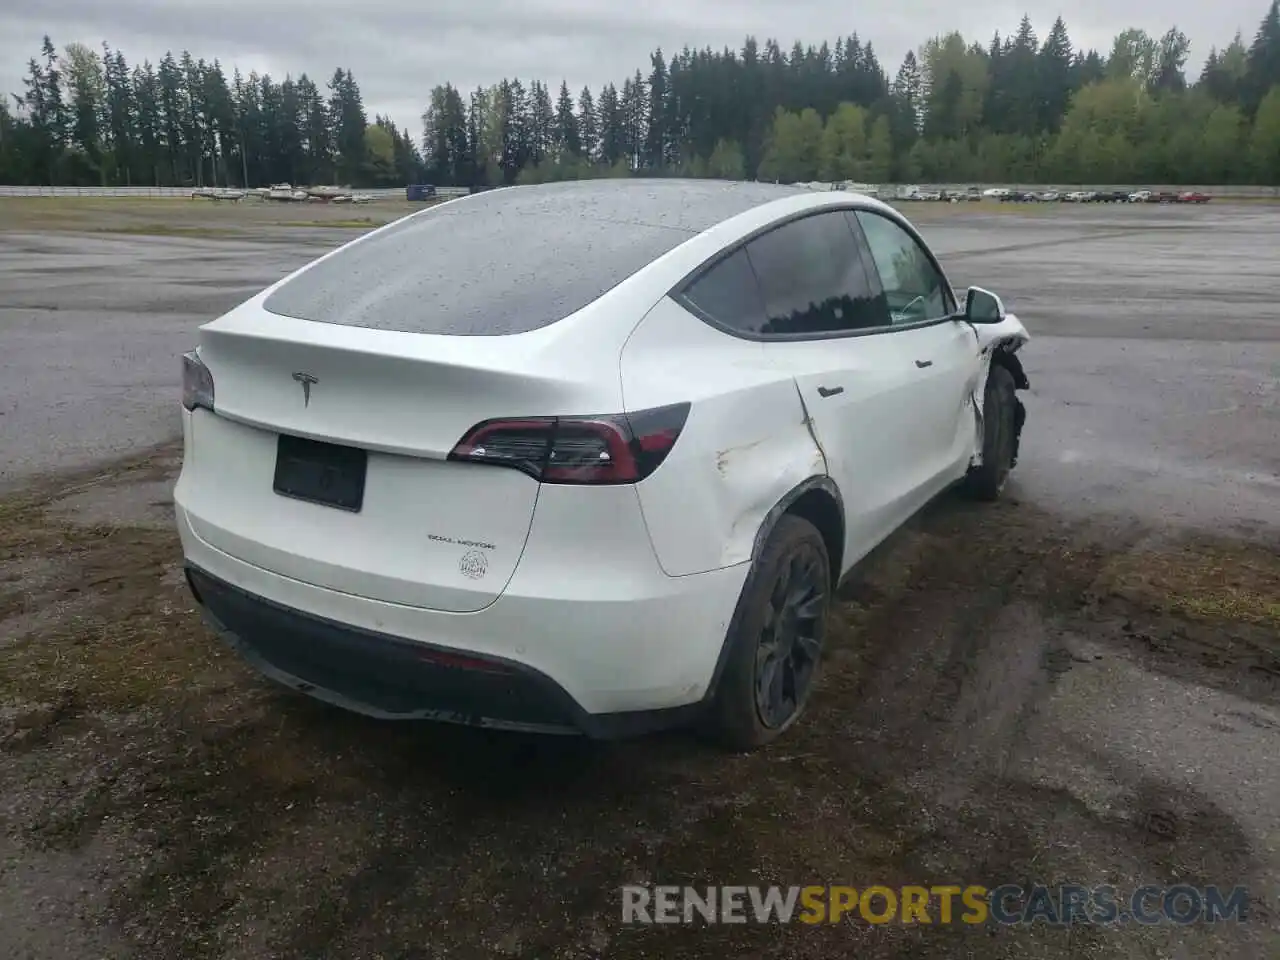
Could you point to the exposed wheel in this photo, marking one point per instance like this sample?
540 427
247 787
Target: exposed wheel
776 642
1001 424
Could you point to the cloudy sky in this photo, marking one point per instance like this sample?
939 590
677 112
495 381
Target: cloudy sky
399 49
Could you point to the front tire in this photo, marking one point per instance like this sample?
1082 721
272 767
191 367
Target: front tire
1001 425
776 642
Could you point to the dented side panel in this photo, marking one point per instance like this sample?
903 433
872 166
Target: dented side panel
746 445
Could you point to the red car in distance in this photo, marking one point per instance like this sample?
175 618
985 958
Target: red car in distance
1193 196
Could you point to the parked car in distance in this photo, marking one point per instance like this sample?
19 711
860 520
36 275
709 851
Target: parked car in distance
1140 196
996 193
1049 196
973 194
1164 196
1111 196
1193 196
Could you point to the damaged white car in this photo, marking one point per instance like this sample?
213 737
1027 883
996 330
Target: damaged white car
586 457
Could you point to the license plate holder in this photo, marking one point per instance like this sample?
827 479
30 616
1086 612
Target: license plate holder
326 474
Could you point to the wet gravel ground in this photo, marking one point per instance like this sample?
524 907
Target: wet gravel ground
1156 362
1080 684
92 328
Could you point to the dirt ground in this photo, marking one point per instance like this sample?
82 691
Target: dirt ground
1013 693
161 800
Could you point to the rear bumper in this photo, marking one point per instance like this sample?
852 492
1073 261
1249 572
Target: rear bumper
538 658
392 678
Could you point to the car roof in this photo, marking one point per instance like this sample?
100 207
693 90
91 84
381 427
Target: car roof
670 203
512 260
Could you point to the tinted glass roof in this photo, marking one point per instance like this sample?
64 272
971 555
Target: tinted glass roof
509 261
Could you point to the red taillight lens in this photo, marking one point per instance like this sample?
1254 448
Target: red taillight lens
621 448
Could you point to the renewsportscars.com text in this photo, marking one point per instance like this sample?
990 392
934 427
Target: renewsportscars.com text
940 904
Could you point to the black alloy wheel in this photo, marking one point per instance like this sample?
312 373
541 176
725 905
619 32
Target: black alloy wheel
999 436
774 644
789 644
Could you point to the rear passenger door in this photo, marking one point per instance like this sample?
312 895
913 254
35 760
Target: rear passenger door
827 323
943 351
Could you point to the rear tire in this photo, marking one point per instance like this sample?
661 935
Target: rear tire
1000 428
775 644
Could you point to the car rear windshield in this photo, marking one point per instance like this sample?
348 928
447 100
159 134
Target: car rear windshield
501 262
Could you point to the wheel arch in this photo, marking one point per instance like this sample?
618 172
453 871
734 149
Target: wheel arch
1003 353
816 499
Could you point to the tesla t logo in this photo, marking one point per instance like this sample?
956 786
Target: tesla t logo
306 380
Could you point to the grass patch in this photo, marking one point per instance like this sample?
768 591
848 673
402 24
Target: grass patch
354 223
1205 581
130 637
169 230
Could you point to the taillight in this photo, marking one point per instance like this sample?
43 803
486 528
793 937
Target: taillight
618 448
197 383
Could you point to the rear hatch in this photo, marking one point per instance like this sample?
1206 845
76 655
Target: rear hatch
326 461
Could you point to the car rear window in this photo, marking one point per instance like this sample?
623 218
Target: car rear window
502 262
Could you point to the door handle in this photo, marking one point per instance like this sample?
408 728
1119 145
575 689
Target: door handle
829 391
924 363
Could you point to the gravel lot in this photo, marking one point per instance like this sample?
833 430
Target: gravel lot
1080 684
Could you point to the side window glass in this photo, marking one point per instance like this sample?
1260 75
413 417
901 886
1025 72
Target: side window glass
813 279
913 287
729 294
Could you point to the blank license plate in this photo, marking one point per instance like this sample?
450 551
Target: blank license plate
323 473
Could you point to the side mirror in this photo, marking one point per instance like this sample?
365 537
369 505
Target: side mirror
983 306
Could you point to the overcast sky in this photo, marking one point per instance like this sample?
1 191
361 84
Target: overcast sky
398 49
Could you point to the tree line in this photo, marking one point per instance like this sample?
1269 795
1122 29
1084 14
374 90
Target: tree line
86 119
1014 109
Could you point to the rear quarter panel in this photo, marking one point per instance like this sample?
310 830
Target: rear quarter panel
746 444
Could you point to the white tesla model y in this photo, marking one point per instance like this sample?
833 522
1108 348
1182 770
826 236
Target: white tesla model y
583 457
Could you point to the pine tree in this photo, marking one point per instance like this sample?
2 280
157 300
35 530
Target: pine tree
1263 68
542 121
347 116
588 125
1054 69
657 153
86 94
120 115
633 110
147 121
568 143
170 80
